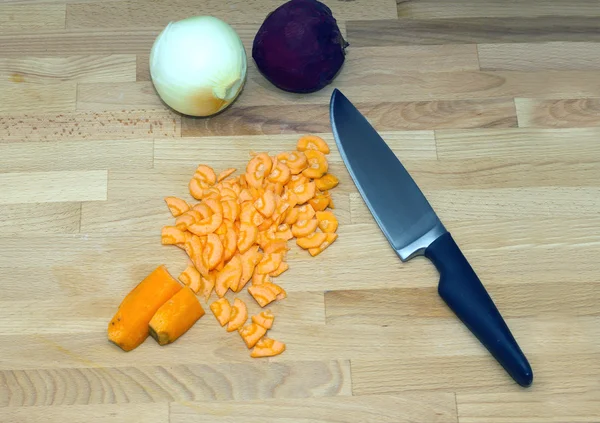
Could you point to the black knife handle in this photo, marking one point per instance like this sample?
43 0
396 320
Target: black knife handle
464 293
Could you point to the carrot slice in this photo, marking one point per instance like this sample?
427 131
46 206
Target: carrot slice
245 195
284 232
276 246
327 221
312 142
249 261
171 235
177 206
229 241
258 169
292 216
267 347
193 247
175 317
269 263
304 228
280 174
282 268
327 182
296 161
318 250
320 201
259 278
239 315
227 193
305 212
205 174
212 253
207 284
187 219
313 240
225 174
211 193
196 188
305 192
265 293
129 326
265 204
222 310
246 237
251 333
297 180
317 164
250 215
203 209
191 277
229 277
207 225
265 319
231 209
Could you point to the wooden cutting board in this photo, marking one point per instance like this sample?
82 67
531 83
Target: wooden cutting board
493 106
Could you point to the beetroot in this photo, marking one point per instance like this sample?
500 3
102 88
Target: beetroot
299 47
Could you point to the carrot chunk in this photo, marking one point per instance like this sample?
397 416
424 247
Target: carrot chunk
249 261
269 263
296 161
191 277
225 174
247 236
267 347
312 142
305 192
320 201
171 235
313 240
318 250
177 206
265 319
327 221
327 182
239 315
304 228
265 204
317 164
266 293
251 333
229 277
222 310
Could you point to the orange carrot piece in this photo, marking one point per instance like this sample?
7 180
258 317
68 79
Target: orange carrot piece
231 210
304 228
175 317
227 193
313 240
207 225
225 174
229 277
251 333
292 216
284 232
327 182
320 201
276 187
212 253
318 250
249 261
196 188
305 192
207 284
250 215
312 142
269 263
276 246
265 293
265 204
267 347
317 164
258 169
259 278
305 212
187 219
296 161
129 326
327 221
177 206
171 235
211 193
246 237
282 268
193 247
280 174
297 180
191 277
239 315
265 319
203 209
229 241
222 310
245 195
266 224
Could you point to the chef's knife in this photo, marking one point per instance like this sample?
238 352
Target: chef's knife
412 228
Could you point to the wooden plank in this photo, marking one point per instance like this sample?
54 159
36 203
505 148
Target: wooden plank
385 116
48 70
519 144
31 18
193 382
53 187
109 125
114 413
435 9
348 307
567 113
553 373
428 407
18 219
21 97
125 14
539 56
534 407
367 33
118 96
76 155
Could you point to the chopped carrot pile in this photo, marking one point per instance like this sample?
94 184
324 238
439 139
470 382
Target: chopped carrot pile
238 232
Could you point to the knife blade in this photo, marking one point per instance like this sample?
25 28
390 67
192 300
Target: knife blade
412 228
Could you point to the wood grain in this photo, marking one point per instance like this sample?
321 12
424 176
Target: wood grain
118 96
562 113
430 407
539 56
19 97
363 33
31 18
105 413
35 218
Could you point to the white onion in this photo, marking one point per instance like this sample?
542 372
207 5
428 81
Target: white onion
198 65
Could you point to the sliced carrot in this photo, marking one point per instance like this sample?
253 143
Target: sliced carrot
304 228
305 212
282 268
275 246
327 221
312 142
191 277
227 194
193 248
196 188
225 174
296 161
292 216
289 197
222 310
249 261
320 201
280 174
247 236
171 235
276 187
229 241
207 284
239 315
231 210
177 206
244 196
266 224
251 333
229 277
212 193
258 169
265 204
265 319
259 278
266 293
267 347
207 225
212 253
313 240
327 182
318 250
250 215
205 174
187 219
203 209
305 192
297 180
269 263
317 164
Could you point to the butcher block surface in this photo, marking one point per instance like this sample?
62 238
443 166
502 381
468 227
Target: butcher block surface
494 108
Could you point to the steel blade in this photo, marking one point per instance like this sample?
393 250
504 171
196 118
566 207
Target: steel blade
401 210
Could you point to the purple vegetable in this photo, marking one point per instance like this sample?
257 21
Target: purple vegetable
299 47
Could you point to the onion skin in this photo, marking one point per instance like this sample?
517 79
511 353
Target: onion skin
299 47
